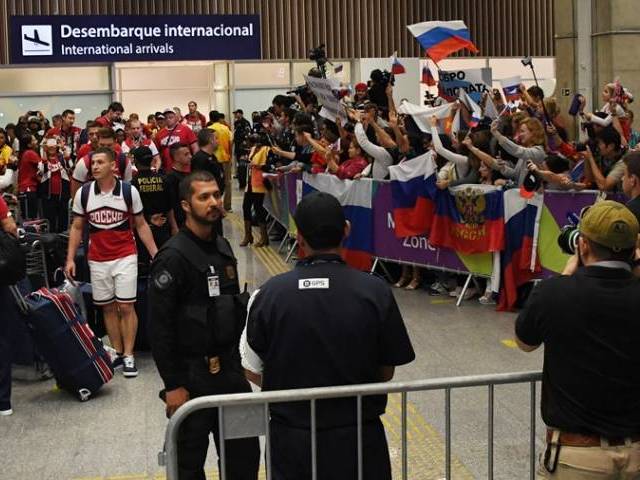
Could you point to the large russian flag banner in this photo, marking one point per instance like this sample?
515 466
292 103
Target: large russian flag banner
356 198
413 187
441 39
469 219
519 259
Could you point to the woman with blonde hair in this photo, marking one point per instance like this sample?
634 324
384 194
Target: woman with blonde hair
530 147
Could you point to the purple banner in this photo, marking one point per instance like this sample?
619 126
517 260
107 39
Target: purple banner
416 250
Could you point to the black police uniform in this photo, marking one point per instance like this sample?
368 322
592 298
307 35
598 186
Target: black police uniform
196 322
155 199
326 324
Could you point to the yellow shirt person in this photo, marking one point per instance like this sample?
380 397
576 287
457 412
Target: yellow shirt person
224 137
5 153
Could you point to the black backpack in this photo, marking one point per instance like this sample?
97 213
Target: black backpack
13 266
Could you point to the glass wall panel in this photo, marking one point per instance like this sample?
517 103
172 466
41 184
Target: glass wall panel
87 107
54 79
261 74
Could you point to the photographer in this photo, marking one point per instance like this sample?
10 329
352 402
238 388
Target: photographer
591 375
608 170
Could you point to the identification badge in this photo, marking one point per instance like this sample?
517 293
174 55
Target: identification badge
213 283
313 283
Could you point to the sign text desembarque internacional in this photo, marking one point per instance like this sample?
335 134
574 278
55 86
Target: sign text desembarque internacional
63 39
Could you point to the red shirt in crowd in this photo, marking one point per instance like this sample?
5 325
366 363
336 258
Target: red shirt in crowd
87 148
195 121
4 209
71 137
28 171
168 136
350 168
103 121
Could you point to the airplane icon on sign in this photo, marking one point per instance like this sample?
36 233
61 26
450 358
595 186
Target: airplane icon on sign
36 39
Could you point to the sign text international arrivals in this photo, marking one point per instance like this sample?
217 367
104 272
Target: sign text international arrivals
65 38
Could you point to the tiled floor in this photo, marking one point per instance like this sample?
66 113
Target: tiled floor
118 434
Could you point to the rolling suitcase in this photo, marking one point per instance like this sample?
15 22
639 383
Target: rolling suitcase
76 356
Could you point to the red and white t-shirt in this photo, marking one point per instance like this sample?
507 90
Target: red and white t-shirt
82 170
168 136
109 220
195 121
130 144
71 137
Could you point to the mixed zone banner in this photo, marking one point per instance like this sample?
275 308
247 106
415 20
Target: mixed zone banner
482 231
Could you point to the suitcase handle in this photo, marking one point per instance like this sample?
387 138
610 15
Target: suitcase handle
20 301
67 277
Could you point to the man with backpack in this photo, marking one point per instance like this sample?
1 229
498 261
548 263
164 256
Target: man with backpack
111 206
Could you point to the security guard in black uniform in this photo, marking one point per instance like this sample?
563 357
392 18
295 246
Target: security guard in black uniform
324 324
197 317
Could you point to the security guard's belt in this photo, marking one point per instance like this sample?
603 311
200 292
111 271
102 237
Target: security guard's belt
582 440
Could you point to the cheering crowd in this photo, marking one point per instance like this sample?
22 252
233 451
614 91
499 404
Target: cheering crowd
523 145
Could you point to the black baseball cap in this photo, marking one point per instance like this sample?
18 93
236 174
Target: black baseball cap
320 220
142 156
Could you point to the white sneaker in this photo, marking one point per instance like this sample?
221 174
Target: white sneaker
487 299
455 292
6 413
129 369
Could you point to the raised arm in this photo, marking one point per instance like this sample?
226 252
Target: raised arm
536 153
461 161
401 139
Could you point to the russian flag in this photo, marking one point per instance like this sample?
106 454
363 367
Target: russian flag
519 259
356 198
511 88
469 219
474 108
413 187
427 77
396 67
441 39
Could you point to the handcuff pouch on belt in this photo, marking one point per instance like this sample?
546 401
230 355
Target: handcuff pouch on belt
552 452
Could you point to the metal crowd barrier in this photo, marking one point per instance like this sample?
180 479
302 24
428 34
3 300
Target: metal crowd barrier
247 415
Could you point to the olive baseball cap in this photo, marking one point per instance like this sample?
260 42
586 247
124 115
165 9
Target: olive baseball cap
320 220
611 225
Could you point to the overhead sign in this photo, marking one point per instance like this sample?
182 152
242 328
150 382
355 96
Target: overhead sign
474 82
64 39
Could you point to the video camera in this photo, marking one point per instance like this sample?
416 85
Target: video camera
318 55
568 238
302 89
